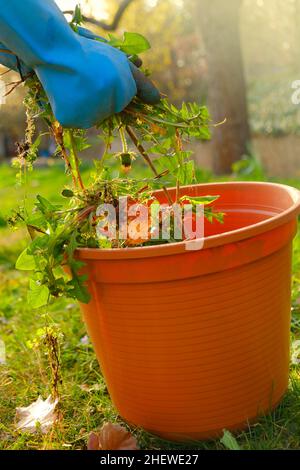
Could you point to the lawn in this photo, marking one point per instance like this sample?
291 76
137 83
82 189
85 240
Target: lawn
85 403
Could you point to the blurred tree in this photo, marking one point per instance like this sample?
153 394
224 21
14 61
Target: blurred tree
297 31
270 38
219 22
174 56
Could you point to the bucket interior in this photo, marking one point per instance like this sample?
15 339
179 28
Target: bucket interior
237 216
245 204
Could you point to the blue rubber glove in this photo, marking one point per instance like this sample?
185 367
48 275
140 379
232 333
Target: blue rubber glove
12 62
146 91
85 80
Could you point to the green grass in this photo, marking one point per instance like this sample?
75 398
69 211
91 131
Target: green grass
85 403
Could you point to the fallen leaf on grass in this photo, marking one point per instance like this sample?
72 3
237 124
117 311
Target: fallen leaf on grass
39 415
112 437
2 352
229 441
85 340
295 353
90 388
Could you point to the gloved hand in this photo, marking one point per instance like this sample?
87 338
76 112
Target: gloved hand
146 91
12 62
85 80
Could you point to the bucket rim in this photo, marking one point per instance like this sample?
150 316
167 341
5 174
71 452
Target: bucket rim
212 241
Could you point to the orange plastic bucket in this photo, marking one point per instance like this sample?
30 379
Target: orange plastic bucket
192 342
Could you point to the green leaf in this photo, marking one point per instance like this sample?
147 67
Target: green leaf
185 155
67 193
167 162
204 200
29 258
135 43
46 206
114 40
131 43
25 262
229 441
168 123
33 151
36 219
72 245
77 16
79 290
79 141
212 216
186 172
38 294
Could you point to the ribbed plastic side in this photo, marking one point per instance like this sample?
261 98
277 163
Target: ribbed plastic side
188 358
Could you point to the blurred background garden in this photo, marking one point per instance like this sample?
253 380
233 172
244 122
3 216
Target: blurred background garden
242 59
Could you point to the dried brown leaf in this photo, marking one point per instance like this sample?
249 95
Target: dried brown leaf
112 437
